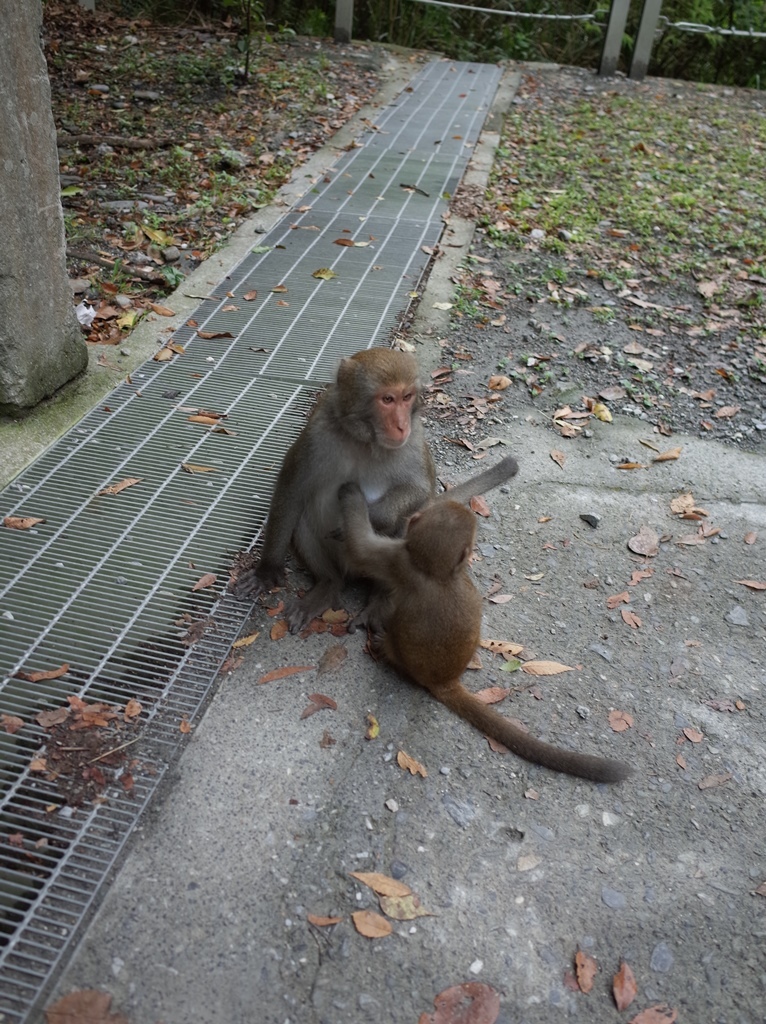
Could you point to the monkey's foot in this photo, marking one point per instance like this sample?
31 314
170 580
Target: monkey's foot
254 582
371 617
301 610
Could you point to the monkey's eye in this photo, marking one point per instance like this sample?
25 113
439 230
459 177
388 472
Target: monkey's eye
387 399
408 397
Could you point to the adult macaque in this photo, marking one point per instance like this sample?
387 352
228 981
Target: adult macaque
431 615
365 429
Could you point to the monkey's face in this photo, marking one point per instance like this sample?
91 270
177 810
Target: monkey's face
393 409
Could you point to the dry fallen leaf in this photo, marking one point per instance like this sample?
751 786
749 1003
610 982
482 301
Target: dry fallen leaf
501 646
129 481
750 537
694 735
189 467
87 1006
479 506
727 411
491 695
469 1003
558 457
646 542
381 885
630 618
586 969
668 456
332 659
319 702
410 765
545 668
498 383
322 922
373 728
245 641
619 721
279 629
752 584
370 924
658 1014
185 726
132 709
205 581
11 723
638 575
630 465
21 522
283 673
617 599
624 988
404 908
43 674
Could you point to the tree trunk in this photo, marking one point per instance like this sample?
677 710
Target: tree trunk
41 343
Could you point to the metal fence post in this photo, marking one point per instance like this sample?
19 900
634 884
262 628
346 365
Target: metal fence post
344 20
615 29
642 51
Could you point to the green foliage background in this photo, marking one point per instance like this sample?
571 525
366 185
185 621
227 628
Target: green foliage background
474 35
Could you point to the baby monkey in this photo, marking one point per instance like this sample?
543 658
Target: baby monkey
430 612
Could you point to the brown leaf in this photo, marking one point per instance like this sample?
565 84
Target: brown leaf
87 1006
500 598
322 922
207 335
190 467
245 641
617 599
630 465
658 1014
672 453
498 382
624 988
279 629
404 908
334 615
283 673
129 481
11 723
693 735
327 741
491 695
630 618
714 781
586 969
681 761
410 765
380 884
752 584
209 421
497 746
319 702
47 719
646 542
184 726
750 537
619 721
332 659
38 764
545 668
638 575
558 457
21 522
343 241
249 296
370 924
132 709
43 674
726 412
479 506
501 646
205 581
469 1003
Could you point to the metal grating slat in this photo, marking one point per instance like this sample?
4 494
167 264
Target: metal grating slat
104 584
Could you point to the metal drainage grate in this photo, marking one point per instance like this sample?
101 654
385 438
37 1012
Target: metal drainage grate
105 584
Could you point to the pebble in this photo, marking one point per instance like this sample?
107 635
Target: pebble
590 518
461 813
614 900
737 616
7 615
604 652
171 254
662 958
145 94
399 869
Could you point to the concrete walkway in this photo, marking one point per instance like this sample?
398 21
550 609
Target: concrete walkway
266 813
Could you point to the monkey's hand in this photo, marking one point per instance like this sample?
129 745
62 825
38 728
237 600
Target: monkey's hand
260 580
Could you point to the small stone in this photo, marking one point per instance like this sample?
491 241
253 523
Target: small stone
565 236
461 813
599 649
392 805
146 94
609 819
737 616
79 285
171 254
536 233
583 712
476 967
614 900
124 351
7 615
398 869
662 958
590 518
123 301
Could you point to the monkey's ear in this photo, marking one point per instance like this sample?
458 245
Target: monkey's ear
465 558
414 518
